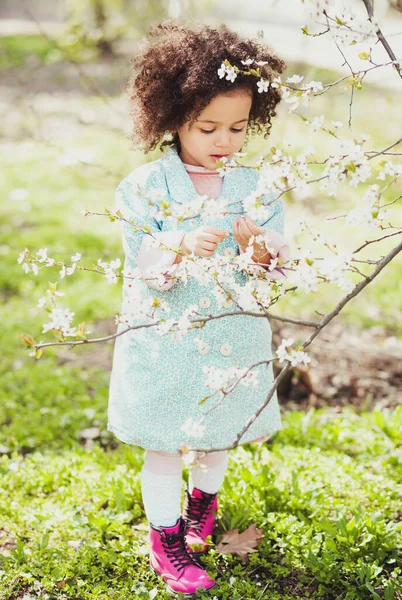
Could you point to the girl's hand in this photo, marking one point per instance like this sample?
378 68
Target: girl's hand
243 229
204 240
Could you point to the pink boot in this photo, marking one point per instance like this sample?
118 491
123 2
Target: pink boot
200 510
170 558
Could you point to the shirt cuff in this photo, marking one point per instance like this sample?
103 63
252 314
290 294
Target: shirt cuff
153 261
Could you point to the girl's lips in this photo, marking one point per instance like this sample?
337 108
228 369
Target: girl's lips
218 156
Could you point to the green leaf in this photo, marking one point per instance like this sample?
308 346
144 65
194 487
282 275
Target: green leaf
370 587
363 55
204 399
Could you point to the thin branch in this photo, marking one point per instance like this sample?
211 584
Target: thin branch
370 11
377 240
326 319
204 320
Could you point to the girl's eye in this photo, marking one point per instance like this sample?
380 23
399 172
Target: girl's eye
212 130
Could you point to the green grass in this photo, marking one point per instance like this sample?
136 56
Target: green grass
326 492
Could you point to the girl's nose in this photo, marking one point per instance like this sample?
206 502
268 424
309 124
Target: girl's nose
223 139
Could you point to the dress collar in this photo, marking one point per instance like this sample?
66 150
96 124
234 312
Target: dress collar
181 187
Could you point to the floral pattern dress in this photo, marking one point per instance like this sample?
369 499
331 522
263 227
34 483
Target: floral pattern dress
158 381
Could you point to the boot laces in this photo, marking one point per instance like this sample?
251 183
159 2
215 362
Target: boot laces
176 549
197 509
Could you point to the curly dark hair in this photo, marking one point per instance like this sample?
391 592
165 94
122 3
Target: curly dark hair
175 76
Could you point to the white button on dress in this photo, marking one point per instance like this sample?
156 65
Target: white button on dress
230 252
203 348
205 302
225 349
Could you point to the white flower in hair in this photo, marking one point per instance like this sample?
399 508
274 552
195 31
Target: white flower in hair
261 63
263 85
222 71
247 62
229 71
230 74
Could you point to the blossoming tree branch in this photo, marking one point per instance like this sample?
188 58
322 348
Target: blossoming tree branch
351 162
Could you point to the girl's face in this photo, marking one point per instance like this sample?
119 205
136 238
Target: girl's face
219 130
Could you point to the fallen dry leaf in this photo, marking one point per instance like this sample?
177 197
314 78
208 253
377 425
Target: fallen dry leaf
233 542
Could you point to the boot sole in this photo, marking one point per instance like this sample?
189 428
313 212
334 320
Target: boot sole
173 592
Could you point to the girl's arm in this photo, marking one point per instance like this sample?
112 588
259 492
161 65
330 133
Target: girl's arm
150 260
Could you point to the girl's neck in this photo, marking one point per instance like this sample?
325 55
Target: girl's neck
206 182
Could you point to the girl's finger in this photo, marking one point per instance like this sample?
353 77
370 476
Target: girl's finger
246 230
242 234
240 225
238 233
254 228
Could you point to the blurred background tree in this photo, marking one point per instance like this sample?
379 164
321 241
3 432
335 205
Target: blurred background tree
100 24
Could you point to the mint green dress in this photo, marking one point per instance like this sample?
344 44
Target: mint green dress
156 383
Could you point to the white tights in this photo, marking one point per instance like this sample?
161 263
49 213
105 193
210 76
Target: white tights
161 482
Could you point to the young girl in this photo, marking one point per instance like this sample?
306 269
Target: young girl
183 99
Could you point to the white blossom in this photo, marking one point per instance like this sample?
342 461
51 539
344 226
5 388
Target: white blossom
313 86
214 210
263 85
224 379
227 166
110 270
70 270
222 71
316 123
254 208
42 253
304 274
60 321
389 169
230 74
367 212
361 174
22 256
294 356
295 79
333 269
276 82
